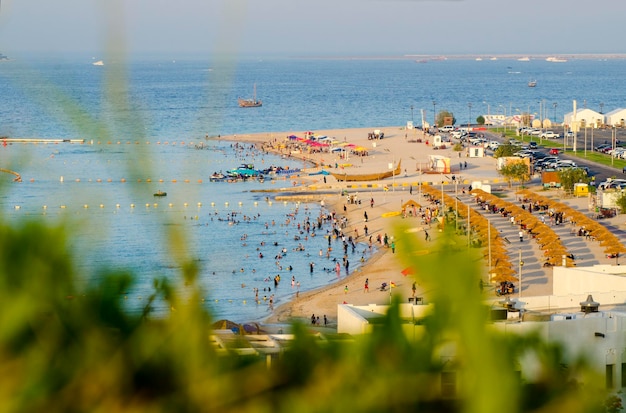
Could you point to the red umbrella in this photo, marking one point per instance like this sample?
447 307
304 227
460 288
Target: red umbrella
407 271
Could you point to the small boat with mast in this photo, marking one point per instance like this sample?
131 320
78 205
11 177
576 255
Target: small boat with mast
250 103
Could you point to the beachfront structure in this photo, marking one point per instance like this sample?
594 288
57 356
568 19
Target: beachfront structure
583 118
570 316
616 117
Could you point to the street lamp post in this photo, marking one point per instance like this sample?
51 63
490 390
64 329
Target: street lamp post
586 140
554 105
393 170
441 213
521 264
434 113
412 114
488 111
601 107
468 225
469 119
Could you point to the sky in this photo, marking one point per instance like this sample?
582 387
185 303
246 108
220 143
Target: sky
320 27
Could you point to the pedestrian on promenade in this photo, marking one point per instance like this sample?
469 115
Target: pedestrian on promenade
521 236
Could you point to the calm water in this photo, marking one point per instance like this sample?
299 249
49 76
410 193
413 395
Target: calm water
171 106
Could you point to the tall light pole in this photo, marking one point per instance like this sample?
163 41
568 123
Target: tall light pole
488 109
411 113
434 113
521 264
393 170
554 105
504 122
469 119
601 107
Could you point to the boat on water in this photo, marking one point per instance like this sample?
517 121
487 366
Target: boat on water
368 177
98 63
217 176
250 103
3 57
244 170
532 83
524 59
556 59
160 193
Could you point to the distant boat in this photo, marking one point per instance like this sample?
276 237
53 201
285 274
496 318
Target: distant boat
493 58
555 59
478 59
98 63
160 193
532 83
523 59
250 103
3 57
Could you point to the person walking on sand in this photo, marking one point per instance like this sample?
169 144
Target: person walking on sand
365 216
393 247
413 288
426 235
345 289
372 203
367 285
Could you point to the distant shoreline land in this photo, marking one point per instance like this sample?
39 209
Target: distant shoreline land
423 58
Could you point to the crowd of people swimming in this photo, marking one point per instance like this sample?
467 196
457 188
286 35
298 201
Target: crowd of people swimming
284 250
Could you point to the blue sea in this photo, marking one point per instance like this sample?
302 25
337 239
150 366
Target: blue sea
143 120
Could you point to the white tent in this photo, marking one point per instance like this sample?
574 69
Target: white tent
583 118
616 117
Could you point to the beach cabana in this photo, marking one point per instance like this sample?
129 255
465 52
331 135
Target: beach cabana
438 163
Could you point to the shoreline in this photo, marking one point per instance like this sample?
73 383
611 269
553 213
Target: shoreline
399 145
382 266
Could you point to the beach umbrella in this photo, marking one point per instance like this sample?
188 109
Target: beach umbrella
407 271
615 249
498 278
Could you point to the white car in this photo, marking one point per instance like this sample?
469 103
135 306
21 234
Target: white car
446 128
550 135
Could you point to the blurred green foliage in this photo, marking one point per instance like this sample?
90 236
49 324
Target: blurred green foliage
68 346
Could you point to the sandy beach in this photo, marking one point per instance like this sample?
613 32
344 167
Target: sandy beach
408 148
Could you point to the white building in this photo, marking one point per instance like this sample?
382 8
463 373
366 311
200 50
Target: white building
583 118
586 314
616 117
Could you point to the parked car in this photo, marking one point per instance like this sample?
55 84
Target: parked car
532 145
554 151
446 128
